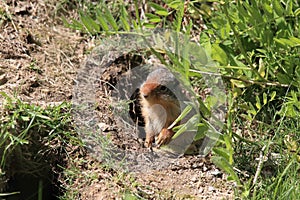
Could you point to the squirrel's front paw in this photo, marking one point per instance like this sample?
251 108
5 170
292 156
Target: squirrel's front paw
149 141
164 137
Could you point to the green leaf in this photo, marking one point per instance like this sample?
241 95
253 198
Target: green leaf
198 54
175 4
162 13
278 8
268 9
109 17
265 98
261 67
289 8
258 104
189 125
25 118
153 18
222 152
237 83
291 42
157 7
102 21
91 26
283 78
295 40
186 111
224 165
273 94
202 128
297 12
219 54
125 19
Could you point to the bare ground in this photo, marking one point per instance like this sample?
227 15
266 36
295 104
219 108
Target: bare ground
39 61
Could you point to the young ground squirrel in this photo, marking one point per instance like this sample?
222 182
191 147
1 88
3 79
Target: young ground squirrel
159 106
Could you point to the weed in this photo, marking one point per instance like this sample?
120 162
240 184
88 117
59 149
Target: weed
255 45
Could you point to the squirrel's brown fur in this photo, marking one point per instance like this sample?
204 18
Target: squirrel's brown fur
159 106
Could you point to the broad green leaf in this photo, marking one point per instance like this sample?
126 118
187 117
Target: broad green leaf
291 42
198 54
77 25
295 40
219 54
242 12
268 9
148 25
203 109
93 24
25 118
201 131
125 23
229 147
252 110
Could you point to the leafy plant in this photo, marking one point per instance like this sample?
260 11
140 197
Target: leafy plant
255 46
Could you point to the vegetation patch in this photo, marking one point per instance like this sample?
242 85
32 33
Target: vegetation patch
252 45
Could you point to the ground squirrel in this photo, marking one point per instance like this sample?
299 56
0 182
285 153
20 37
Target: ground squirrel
159 105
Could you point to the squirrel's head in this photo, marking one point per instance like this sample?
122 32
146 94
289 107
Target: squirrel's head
159 85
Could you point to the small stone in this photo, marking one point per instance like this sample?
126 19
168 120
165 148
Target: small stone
103 126
194 179
3 79
211 189
201 190
216 172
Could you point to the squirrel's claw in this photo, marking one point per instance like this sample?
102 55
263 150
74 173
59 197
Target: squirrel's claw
149 141
164 137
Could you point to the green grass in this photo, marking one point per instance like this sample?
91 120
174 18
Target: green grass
255 45
34 139
268 163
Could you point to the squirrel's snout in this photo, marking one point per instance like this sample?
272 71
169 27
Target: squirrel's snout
146 89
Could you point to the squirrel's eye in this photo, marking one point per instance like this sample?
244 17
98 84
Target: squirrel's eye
163 88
